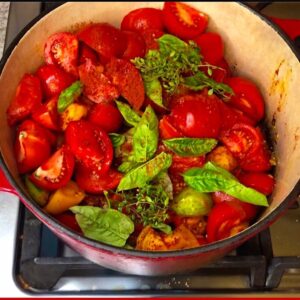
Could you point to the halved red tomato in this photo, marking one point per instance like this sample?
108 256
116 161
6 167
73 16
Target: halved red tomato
56 171
32 146
211 47
142 19
247 97
106 116
135 46
28 96
90 144
97 86
46 114
167 130
85 53
128 80
92 182
62 49
54 80
104 38
183 20
150 37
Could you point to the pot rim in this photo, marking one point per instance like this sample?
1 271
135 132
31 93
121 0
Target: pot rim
240 237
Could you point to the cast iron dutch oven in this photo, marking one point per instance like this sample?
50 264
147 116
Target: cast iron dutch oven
254 47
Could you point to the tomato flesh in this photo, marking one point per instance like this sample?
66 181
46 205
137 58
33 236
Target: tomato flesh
150 37
87 53
135 46
167 130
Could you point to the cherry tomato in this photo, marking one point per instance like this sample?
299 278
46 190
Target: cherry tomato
54 80
97 87
46 114
220 75
106 116
90 144
167 130
142 19
68 219
183 20
128 80
104 38
56 171
28 96
32 146
197 116
261 182
242 140
62 49
85 53
247 97
211 47
150 37
92 182
135 45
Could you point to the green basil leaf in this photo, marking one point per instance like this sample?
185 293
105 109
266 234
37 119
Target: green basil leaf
145 137
117 139
130 116
104 225
69 95
127 166
141 175
154 91
211 178
163 227
190 146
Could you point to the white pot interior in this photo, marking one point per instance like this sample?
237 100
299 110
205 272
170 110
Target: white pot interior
253 49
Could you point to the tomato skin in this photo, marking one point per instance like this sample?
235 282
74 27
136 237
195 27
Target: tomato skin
197 116
97 86
106 116
85 53
62 49
142 19
150 37
128 80
68 219
104 38
56 172
183 20
46 114
54 80
28 96
135 45
261 182
90 144
247 97
211 47
32 146
92 182
167 130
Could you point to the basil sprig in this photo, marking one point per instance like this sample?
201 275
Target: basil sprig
130 116
117 139
211 178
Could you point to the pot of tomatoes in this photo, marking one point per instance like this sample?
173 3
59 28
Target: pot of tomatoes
153 138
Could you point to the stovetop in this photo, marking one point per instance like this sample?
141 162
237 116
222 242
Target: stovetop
268 264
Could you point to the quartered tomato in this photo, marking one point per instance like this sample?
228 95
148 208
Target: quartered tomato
32 146
97 86
167 130
54 80
46 114
56 171
211 47
135 45
90 144
150 37
247 97
128 80
85 53
92 182
183 20
142 19
261 182
106 116
62 49
28 96
197 116
68 219
104 38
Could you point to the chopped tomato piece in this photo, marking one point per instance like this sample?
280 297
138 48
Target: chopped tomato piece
150 37
68 219
85 53
167 130
135 46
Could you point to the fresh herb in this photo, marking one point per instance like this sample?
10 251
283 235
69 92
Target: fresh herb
130 116
211 178
69 95
109 226
117 139
163 179
153 90
190 146
127 165
146 172
147 205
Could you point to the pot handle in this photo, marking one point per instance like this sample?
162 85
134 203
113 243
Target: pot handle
5 186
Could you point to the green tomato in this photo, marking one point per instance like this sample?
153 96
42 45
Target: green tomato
191 203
